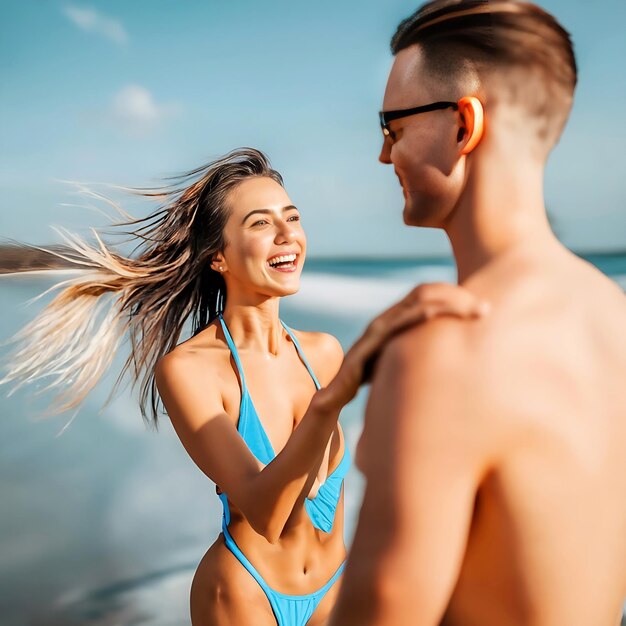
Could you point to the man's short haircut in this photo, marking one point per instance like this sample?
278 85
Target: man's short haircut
481 36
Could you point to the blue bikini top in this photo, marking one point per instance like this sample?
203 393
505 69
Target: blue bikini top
321 509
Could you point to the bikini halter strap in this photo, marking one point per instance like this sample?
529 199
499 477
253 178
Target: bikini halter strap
233 351
301 354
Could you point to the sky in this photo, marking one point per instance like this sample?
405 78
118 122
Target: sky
131 92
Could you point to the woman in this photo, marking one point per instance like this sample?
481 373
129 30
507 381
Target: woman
255 403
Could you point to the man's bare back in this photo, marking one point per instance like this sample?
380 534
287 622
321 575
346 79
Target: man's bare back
495 494
554 356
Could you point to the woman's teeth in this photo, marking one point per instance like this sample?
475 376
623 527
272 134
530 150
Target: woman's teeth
285 262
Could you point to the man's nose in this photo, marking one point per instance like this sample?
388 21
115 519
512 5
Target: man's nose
385 152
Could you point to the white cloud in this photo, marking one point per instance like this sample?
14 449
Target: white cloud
135 109
90 20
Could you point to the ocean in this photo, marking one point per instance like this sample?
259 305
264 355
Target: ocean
105 524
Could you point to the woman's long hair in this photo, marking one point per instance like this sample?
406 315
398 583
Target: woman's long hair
146 296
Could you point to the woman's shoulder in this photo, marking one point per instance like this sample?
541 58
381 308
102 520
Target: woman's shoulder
320 342
193 378
204 349
323 351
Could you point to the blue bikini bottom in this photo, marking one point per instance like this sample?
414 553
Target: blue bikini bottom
289 610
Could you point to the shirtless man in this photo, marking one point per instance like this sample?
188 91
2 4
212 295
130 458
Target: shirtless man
494 450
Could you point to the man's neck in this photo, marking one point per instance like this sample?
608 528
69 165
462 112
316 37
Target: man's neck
501 210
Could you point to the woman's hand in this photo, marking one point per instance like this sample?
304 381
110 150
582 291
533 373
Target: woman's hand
422 303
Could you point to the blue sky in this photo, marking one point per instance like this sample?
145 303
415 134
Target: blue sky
130 92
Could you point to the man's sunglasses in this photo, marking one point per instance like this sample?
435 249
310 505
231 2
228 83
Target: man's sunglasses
388 116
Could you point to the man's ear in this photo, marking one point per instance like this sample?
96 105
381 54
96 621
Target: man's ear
472 117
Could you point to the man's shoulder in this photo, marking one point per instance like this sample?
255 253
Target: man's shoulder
431 394
453 368
444 342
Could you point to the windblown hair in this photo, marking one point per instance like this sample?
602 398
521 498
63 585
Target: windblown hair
146 297
488 35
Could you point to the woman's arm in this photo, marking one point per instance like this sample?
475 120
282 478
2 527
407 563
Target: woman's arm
325 356
266 495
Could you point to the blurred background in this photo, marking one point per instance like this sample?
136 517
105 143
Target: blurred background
105 523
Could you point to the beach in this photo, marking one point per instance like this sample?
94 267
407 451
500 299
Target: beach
105 523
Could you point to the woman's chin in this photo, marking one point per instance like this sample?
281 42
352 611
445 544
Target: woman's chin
286 289
291 291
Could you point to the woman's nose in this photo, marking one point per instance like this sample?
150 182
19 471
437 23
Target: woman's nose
286 232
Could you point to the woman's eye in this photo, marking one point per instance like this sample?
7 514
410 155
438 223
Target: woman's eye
259 222
295 218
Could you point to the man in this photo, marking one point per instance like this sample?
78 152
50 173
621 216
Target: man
493 450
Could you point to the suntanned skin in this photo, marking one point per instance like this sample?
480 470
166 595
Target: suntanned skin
200 388
201 392
493 450
303 558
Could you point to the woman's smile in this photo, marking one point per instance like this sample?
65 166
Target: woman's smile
284 262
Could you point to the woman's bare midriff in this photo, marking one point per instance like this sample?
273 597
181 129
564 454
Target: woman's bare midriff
299 563
224 593
302 560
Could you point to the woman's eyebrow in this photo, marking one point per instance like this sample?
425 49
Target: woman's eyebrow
289 207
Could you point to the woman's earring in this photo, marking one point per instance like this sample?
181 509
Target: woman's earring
221 269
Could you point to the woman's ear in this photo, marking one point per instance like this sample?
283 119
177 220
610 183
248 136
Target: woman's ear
472 117
218 264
